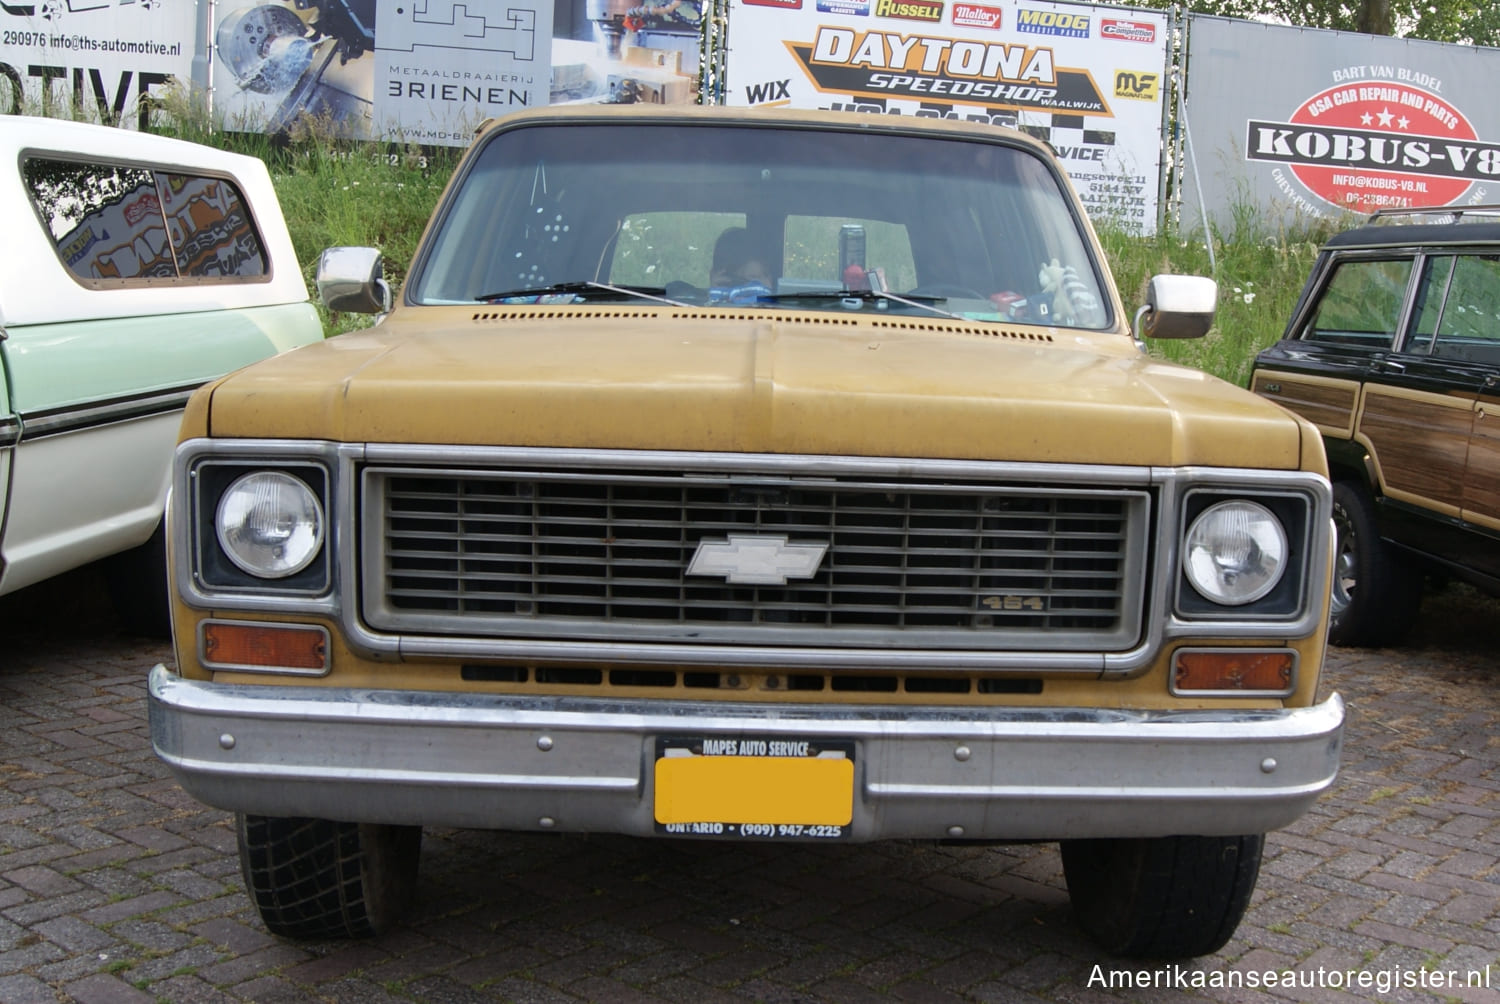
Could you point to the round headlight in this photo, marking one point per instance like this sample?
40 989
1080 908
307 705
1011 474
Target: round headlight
270 524
1236 552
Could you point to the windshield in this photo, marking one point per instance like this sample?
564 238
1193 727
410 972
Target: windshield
765 218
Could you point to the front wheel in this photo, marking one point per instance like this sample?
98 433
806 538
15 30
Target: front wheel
1161 897
1376 594
316 878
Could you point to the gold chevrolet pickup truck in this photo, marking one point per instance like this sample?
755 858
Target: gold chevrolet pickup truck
757 476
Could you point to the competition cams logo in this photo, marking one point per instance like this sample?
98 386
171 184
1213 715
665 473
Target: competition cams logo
1052 22
1364 146
1137 84
910 10
932 68
783 4
1127 31
973 15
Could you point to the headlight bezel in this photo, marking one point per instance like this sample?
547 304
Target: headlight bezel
1288 598
213 566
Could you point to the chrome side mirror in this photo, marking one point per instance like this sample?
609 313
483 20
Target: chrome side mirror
352 279
1177 306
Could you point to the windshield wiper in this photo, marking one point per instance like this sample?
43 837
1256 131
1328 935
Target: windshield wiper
921 302
586 287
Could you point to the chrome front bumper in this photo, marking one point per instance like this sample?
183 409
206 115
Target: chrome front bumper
569 764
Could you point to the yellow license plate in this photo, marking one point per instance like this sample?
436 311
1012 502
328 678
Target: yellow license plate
747 786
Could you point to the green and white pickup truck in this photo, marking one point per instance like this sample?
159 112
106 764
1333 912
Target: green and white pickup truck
134 268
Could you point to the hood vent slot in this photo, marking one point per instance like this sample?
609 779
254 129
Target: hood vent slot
584 313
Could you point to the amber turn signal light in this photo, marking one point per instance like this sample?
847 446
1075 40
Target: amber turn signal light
245 645
1219 671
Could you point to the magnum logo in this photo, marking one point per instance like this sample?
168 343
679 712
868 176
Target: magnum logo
1137 84
910 10
885 64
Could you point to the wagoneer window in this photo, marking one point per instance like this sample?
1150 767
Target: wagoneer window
1362 304
1468 327
111 222
833 220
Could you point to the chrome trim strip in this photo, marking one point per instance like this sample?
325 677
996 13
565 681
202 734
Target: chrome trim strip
76 418
466 759
10 431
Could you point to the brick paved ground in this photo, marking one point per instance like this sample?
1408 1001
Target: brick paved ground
114 886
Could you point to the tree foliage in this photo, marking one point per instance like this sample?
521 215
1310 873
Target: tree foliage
1470 22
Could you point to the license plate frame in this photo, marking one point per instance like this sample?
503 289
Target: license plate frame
753 787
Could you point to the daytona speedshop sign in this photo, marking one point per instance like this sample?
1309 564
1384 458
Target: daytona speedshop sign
1084 78
1375 144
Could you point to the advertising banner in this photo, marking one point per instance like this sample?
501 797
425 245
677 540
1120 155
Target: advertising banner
98 57
1289 124
1088 80
429 72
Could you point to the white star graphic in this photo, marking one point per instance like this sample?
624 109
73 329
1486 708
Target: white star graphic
1385 117
1366 119
1403 122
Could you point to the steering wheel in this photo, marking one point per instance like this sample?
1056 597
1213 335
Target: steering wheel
947 291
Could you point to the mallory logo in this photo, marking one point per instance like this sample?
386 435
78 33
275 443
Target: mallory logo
973 15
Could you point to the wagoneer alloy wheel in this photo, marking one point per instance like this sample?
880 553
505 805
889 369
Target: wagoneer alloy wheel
1161 897
316 878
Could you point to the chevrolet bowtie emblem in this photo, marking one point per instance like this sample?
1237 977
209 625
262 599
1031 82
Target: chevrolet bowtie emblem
757 561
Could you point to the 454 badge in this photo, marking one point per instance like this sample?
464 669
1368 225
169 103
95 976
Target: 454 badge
1376 144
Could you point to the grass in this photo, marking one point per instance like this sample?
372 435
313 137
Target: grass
337 193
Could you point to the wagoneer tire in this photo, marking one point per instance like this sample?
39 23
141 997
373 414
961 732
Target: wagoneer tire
315 878
1161 897
1376 594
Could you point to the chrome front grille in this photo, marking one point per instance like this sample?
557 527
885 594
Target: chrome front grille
603 555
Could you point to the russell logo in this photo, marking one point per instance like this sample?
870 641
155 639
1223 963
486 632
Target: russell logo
1368 145
1127 31
910 10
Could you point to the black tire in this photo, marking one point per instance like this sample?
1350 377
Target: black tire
1161 897
315 878
137 583
1376 593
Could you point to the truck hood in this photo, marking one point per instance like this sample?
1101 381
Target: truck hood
701 380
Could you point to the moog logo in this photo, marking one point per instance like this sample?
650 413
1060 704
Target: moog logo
1052 22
